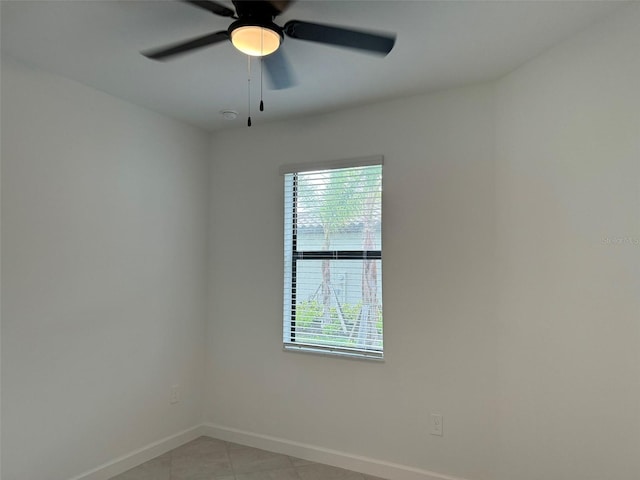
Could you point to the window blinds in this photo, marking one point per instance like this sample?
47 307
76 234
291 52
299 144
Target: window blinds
333 259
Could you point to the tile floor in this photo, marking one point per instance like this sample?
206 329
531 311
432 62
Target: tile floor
206 458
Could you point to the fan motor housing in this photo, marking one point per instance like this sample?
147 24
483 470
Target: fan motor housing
254 22
255 8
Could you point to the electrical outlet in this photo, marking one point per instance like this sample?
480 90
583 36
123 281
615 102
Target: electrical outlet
436 424
175 394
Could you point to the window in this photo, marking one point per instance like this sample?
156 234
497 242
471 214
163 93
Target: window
333 258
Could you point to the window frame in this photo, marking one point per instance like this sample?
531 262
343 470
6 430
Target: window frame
292 256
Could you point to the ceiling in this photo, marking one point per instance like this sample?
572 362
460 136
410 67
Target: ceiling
440 44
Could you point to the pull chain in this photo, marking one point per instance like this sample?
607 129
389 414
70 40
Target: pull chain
261 68
249 89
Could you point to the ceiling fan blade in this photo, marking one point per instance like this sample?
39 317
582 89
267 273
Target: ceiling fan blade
279 70
340 36
212 7
281 5
187 46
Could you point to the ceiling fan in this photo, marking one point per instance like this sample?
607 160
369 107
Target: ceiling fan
254 32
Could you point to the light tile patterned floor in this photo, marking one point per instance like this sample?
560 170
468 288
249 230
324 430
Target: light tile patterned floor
206 458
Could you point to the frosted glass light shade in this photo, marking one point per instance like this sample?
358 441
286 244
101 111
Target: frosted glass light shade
255 40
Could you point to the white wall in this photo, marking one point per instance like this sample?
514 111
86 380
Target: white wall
104 246
568 237
438 241
511 275
506 310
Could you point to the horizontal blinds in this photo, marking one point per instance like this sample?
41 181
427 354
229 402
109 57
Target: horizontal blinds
332 164
333 261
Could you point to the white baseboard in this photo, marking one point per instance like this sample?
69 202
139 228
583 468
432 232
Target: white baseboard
144 454
314 453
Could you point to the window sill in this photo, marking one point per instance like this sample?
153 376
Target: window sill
335 352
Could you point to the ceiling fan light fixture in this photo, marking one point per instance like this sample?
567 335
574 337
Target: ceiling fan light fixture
256 40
